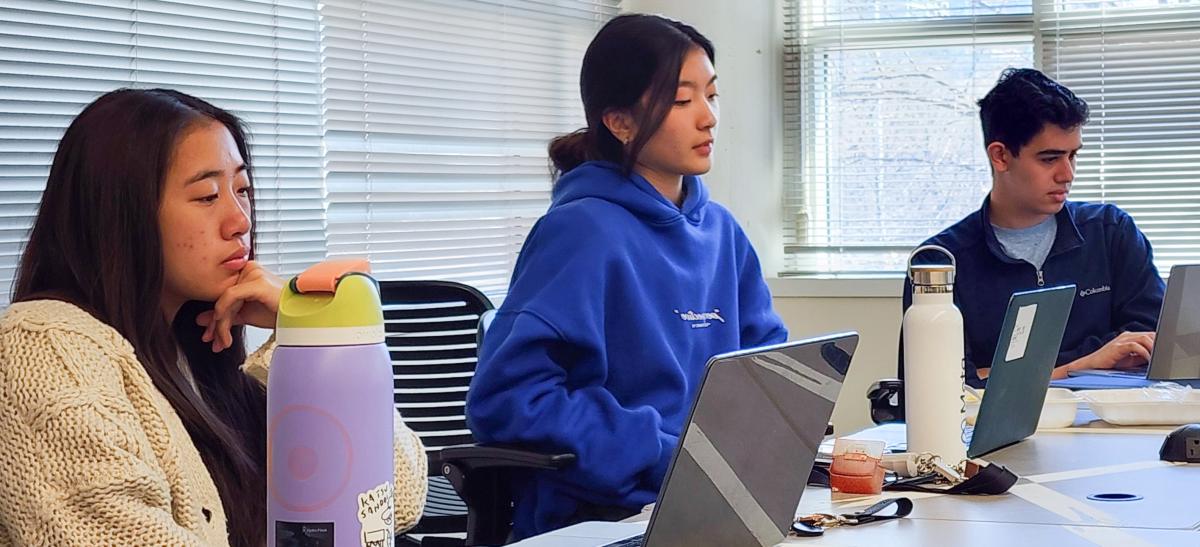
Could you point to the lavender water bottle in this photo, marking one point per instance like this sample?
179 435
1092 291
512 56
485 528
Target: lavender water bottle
329 414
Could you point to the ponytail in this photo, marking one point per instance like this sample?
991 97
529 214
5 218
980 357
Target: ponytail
569 151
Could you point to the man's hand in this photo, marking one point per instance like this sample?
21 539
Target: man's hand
1127 350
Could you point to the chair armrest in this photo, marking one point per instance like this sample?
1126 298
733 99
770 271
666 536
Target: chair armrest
886 400
482 457
480 476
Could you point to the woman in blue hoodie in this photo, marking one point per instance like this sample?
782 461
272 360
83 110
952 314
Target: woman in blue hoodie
624 289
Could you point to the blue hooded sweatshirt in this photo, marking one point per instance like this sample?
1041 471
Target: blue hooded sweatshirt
617 301
1097 247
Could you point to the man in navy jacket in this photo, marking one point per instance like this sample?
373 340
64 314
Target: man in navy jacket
1027 235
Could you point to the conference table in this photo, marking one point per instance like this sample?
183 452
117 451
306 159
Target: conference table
1049 505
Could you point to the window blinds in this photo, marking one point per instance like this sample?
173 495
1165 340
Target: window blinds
1137 64
259 59
438 115
882 141
882 137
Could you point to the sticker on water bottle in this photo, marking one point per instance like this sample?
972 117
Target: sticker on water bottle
1019 340
376 509
309 534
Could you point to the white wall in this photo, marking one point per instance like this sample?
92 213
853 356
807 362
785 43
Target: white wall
747 178
877 320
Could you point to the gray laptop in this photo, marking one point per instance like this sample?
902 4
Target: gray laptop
745 453
1176 355
1021 367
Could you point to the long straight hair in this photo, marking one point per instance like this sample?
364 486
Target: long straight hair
96 243
632 65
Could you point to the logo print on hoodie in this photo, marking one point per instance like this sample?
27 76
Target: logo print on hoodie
702 319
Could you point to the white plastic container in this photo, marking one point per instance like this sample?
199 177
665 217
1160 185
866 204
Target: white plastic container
1173 405
1058 411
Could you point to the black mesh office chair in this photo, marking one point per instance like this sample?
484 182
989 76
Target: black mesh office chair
886 400
433 333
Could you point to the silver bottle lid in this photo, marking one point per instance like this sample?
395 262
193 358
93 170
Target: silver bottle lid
931 274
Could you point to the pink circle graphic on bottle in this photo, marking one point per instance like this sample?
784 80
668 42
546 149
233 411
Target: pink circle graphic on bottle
302 462
309 459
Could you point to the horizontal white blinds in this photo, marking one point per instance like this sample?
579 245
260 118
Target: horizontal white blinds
882 141
438 115
259 59
1137 63
882 133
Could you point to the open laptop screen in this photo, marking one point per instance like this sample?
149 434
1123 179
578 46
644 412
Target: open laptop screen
1177 344
1025 357
749 444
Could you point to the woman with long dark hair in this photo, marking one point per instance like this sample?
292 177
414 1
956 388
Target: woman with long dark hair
625 288
130 413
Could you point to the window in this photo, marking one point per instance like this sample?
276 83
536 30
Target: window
1137 64
438 115
259 59
882 136
412 132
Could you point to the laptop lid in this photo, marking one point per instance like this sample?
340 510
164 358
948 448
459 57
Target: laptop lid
1176 354
1025 354
749 443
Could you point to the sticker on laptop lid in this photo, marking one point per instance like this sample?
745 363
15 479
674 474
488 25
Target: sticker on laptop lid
1019 340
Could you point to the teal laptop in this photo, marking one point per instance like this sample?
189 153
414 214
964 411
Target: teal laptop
1021 367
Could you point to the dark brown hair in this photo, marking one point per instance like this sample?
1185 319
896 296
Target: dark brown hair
633 56
96 243
1022 103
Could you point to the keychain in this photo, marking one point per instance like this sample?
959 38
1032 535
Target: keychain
816 524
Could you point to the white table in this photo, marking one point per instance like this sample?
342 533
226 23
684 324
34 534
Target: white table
1049 505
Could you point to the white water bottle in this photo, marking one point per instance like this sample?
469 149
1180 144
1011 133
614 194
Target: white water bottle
933 361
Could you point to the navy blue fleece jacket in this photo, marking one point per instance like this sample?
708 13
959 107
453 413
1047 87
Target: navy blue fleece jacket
1097 247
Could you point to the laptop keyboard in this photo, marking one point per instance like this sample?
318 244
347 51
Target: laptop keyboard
635 541
1139 372
1131 373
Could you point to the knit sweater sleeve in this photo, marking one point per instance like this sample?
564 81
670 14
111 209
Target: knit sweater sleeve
409 454
77 466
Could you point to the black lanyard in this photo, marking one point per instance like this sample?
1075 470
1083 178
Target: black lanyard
990 480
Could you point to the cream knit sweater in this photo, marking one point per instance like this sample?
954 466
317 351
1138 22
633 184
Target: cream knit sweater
91 453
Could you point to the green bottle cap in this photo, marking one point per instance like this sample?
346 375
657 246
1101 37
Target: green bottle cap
350 315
